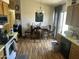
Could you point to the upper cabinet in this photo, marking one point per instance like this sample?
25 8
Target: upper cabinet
1 9
73 15
5 9
75 18
12 4
69 15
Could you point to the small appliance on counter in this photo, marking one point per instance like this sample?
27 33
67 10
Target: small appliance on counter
3 20
3 36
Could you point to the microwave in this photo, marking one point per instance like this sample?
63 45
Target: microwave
3 20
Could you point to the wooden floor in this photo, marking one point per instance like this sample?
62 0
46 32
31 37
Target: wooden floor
39 49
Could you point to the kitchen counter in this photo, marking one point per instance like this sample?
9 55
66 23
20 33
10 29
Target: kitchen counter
2 46
70 38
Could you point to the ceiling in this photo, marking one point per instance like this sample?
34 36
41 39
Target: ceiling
52 2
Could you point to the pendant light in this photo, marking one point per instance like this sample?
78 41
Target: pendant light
40 7
39 14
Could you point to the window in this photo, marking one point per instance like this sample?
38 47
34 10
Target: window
62 23
65 27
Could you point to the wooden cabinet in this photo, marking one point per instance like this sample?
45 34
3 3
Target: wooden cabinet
1 9
68 49
6 13
74 52
75 18
12 4
73 15
69 15
5 9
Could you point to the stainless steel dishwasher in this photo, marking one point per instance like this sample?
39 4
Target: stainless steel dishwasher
65 47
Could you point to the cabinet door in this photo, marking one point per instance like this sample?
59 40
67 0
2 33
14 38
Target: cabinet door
74 52
69 15
5 8
1 10
75 18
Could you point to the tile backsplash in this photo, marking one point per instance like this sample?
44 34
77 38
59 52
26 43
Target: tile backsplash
72 28
75 31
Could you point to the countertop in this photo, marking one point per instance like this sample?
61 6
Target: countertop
70 38
2 46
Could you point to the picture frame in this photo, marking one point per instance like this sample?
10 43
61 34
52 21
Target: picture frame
38 16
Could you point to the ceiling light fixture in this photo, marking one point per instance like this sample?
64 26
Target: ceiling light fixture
39 14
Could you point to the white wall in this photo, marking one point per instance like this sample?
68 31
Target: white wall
28 9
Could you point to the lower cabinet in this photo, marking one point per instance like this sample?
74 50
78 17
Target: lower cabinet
74 52
68 49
